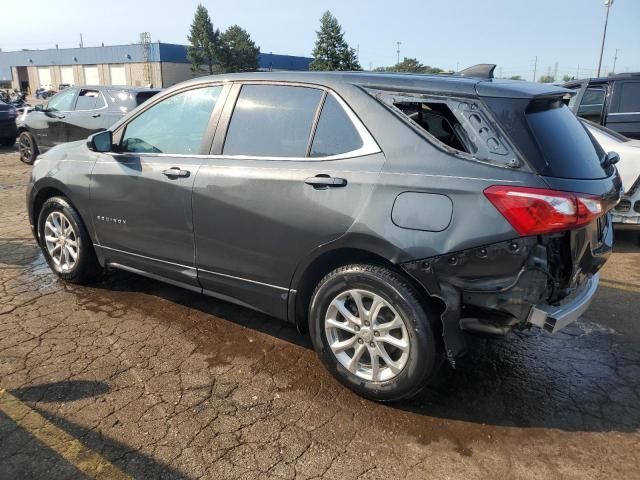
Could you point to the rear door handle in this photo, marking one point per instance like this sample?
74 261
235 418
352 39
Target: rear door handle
175 172
325 181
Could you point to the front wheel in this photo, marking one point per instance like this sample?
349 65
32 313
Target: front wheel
372 332
65 242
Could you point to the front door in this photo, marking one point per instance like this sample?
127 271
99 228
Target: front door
141 196
271 196
48 126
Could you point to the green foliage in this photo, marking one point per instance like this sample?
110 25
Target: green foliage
515 77
566 78
546 79
204 41
331 51
238 53
410 65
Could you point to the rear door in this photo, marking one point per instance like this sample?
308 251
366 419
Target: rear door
89 115
273 192
624 110
48 126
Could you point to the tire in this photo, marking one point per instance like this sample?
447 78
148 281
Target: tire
85 266
419 354
27 147
7 142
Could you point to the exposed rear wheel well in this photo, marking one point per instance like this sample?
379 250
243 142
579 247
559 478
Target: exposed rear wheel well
333 259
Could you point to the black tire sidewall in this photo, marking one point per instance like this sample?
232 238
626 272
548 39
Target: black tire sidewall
423 356
34 148
85 268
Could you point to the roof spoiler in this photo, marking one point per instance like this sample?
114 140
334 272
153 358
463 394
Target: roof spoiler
481 70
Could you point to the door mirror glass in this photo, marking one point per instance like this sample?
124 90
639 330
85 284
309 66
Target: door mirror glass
100 142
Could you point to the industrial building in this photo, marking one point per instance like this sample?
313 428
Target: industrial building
141 64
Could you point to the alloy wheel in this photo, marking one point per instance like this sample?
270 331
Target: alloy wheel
25 148
366 335
61 240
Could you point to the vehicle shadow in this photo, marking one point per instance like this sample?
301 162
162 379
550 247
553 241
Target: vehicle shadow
585 378
626 242
24 456
18 252
12 149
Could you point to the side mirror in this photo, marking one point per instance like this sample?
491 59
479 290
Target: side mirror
39 108
610 158
100 142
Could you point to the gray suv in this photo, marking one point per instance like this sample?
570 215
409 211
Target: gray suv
388 215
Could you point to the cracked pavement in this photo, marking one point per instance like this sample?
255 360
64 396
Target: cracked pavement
165 383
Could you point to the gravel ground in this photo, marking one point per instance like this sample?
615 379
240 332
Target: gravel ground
164 383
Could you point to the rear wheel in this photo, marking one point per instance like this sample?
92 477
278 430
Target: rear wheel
27 148
65 242
371 331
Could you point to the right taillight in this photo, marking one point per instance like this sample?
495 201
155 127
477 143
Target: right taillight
535 211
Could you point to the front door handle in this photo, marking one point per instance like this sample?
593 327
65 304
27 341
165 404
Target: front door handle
175 172
95 115
325 181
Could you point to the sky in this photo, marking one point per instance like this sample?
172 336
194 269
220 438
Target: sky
450 34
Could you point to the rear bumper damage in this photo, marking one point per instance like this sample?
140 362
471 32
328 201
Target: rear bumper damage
545 282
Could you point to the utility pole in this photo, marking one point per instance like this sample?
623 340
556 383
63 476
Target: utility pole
81 42
615 58
535 67
608 4
555 71
578 72
398 51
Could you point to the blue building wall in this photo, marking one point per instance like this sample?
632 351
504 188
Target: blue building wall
133 53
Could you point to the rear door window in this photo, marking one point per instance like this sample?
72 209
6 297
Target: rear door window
272 121
626 97
90 100
335 133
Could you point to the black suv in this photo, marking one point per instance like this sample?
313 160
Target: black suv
388 214
612 101
74 114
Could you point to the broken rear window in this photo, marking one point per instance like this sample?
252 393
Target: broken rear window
459 126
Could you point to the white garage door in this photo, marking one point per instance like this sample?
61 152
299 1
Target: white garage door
66 75
44 76
91 76
118 75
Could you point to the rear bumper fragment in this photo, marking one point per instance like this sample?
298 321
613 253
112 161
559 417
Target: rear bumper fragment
553 318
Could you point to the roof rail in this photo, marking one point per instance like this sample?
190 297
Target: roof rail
481 70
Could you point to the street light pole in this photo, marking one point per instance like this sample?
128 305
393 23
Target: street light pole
398 51
608 4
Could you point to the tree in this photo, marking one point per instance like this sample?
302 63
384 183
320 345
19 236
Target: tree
566 78
238 53
515 77
412 65
331 51
546 79
204 41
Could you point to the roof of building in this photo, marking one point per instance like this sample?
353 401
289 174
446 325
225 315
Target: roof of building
131 53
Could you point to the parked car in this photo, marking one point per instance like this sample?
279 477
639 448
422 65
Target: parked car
613 102
387 214
8 130
74 114
626 215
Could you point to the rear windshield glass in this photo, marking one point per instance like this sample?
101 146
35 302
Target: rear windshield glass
568 149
